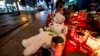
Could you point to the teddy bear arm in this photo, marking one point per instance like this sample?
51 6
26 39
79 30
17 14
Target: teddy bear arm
33 48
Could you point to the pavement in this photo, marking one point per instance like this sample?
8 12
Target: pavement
10 43
9 22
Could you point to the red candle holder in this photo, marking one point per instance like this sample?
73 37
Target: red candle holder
57 49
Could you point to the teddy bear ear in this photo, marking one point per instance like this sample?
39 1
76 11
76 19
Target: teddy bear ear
41 30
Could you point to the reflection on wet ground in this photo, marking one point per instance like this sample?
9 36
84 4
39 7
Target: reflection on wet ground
10 43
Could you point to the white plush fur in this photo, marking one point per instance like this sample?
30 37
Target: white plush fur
59 18
35 42
43 39
58 28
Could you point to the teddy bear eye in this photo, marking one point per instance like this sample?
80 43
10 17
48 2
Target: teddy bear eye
57 25
51 23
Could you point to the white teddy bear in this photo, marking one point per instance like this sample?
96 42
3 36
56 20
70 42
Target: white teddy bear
59 18
43 39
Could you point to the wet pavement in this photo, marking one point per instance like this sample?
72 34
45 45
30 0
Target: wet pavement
10 43
9 22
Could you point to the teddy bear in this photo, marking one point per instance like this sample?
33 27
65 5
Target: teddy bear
43 39
59 18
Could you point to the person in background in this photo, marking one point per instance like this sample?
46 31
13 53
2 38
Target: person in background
57 14
59 4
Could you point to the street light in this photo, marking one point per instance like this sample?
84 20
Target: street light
19 0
